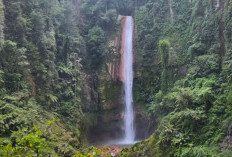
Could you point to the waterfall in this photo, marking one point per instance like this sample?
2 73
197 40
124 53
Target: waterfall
127 78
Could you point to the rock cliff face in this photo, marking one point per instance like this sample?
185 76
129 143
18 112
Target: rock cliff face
113 66
108 119
109 104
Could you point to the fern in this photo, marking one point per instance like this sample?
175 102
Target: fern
1 77
65 70
53 98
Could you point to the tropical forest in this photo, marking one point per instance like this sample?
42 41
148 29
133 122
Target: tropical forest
115 78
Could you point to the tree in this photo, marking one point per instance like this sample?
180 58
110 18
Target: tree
164 46
2 17
96 48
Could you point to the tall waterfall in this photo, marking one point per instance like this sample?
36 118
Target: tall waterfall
127 78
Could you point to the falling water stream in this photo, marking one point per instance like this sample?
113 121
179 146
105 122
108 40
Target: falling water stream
127 78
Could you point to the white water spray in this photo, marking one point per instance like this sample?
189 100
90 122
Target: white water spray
129 137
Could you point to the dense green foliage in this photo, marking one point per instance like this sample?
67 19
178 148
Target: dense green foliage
164 53
54 72
47 55
53 66
194 115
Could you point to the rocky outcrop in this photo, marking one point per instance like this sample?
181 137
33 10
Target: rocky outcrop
144 126
113 66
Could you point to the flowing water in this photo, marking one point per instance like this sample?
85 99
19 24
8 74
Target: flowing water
127 77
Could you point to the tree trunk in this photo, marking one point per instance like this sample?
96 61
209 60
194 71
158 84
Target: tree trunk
171 11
